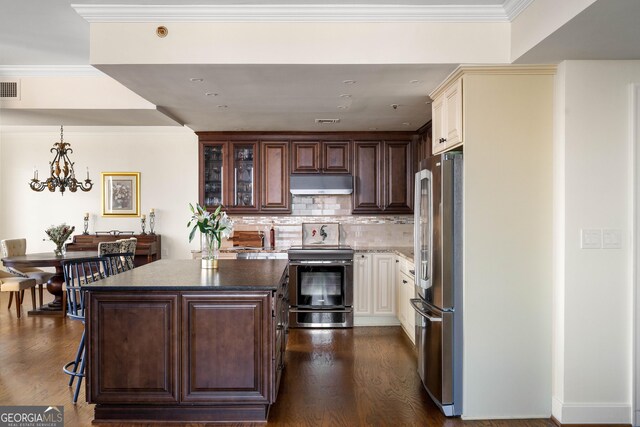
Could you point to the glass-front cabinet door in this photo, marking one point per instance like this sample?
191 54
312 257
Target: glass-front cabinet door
244 195
213 169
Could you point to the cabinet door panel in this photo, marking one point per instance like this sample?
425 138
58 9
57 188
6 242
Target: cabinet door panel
398 177
384 284
213 186
122 328
453 116
367 194
362 285
439 125
227 349
244 178
275 177
305 157
336 157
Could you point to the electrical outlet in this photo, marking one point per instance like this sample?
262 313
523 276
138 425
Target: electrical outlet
590 238
165 252
611 239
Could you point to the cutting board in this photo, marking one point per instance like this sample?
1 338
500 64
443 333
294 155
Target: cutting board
247 238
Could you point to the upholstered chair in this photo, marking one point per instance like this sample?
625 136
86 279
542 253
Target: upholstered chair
128 246
16 285
17 247
108 248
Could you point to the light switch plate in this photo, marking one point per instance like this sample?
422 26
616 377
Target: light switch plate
611 239
590 238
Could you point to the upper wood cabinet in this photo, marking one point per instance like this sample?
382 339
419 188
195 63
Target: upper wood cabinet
274 176
320 157
243 175
447 117
383 176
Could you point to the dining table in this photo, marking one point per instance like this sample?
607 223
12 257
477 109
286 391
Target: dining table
54 285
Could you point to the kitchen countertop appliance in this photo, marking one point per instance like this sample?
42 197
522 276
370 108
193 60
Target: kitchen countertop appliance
321 286
438 279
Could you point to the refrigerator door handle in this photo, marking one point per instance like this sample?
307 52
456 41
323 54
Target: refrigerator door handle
414 304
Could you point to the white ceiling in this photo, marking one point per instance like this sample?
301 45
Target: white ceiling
279 97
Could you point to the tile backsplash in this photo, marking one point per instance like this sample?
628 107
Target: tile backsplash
356 230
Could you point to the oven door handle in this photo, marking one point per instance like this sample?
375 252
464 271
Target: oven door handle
414 303
329 263
296 310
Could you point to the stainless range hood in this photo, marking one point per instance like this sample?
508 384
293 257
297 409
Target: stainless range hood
321 184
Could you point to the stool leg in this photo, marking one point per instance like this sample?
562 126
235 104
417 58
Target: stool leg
33 297
79 357
18 303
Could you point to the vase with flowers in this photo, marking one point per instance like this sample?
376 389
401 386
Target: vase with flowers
213 227
59 234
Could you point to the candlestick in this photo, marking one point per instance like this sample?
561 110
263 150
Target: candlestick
152 221
87 173
86 223
143 223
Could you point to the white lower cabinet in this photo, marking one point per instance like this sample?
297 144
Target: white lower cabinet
404 292
374 290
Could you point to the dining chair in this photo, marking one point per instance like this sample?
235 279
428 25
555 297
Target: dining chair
18 247
79 272
128 246
117 263
16 286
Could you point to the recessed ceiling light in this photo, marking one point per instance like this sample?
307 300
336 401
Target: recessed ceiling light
223 106
414 82
406 123
348 82
196 79
211 94
342 107
345 95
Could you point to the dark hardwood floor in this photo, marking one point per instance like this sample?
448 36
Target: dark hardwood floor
352 377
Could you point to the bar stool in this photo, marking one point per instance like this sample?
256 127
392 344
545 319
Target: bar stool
16 285
77 273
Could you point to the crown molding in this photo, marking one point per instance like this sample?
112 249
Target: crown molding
111 13
513 8
49 71
495 69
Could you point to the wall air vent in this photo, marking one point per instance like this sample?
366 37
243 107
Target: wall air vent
327 121
9 90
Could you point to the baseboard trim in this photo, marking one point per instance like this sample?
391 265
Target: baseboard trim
375 321
559 424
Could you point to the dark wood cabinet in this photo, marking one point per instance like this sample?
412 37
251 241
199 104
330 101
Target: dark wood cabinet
148 246
367 171
398 177
320 157
243 194
121 329
383 176
224 356
274 180
422 146
305 157
187 355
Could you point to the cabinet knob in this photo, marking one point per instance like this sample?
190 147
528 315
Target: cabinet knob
362 256
443 140
404 281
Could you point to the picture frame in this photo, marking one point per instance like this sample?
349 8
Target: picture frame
120 194
320 234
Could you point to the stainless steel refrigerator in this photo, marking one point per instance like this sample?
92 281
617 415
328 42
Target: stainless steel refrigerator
438 269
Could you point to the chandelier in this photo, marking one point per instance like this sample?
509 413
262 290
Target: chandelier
62 174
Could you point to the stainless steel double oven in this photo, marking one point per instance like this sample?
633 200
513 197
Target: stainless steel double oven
321 287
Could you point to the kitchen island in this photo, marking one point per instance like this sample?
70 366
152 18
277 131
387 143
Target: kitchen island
170 341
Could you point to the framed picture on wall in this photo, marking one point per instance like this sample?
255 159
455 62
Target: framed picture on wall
120 193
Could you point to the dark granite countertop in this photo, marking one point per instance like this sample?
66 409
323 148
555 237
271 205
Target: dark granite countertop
187 275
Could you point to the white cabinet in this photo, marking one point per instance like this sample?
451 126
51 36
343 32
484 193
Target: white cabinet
447 117
374 289
405 291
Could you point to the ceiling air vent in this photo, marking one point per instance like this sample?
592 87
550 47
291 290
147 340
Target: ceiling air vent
327 121
9 90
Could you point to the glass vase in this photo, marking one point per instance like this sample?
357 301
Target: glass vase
59 250
209 249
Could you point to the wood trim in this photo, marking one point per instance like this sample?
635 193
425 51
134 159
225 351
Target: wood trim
559 424
208 136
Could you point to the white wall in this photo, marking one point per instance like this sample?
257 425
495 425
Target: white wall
507 238
593 287
166 157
